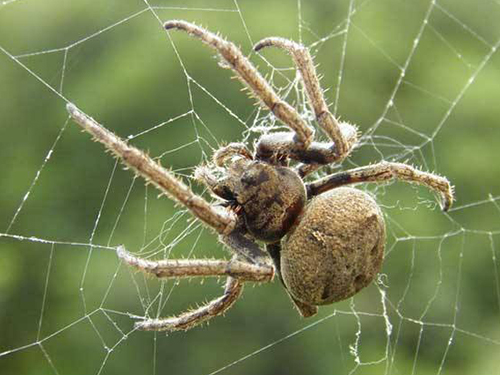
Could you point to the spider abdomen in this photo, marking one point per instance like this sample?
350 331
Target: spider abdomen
336 249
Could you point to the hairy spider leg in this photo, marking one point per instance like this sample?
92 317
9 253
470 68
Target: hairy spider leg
249 75
237 270
273 146
189 319
324 117
382 172
225 153
179 268
223 221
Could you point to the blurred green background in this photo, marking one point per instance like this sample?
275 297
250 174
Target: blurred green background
64 305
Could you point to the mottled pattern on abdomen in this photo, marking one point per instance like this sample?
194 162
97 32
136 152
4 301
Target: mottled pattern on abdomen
336 249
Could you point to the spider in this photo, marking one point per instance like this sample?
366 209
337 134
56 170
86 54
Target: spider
325 241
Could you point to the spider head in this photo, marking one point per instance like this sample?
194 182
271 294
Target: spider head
270 197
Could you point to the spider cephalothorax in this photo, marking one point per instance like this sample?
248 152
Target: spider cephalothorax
324 240
270 197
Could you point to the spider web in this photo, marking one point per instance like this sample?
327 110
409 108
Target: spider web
419 78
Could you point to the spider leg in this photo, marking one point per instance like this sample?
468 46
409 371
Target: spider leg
222 220
279 144
237 270
189 319
177 268
249 75
220 187
381 172
223 154
245 247
324 117
304 309
304 169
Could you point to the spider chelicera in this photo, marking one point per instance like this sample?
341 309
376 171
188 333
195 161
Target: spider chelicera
325 241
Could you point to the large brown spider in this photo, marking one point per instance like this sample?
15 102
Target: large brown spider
325 242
